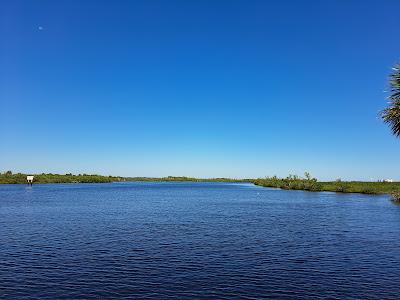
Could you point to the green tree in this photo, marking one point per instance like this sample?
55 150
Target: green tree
391 115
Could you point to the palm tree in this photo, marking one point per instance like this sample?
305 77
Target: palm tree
391 114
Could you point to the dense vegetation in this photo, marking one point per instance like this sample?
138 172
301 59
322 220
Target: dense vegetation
184 178
396 196
308 183
391 115
292 182
9 177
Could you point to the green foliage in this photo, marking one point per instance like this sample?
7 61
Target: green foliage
340 187
396 196
391 115
184 178
292 182
9 177
311 184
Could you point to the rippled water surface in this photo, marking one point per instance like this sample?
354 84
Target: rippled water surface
195 240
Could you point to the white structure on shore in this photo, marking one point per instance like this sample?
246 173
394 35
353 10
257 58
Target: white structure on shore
29 178
387 180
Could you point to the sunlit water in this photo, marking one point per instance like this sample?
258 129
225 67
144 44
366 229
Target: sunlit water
195 240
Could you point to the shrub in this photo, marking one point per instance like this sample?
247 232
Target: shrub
396 197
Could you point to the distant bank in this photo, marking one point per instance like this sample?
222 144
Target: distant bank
290 183
20 178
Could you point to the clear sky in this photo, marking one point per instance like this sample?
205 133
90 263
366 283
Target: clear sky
198 88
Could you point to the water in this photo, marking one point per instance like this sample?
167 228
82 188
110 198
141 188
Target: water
195 241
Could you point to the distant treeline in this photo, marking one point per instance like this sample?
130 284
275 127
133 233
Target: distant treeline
18 178
183 178
10 178
293 182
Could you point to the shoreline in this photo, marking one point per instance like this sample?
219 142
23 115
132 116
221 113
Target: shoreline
288 183
21 178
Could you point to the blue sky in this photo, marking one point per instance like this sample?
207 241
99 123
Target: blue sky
198 88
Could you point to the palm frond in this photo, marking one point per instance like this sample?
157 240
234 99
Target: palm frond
391 115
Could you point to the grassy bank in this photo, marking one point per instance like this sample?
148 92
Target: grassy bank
311 184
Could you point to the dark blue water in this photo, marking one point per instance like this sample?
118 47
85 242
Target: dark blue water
195 240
